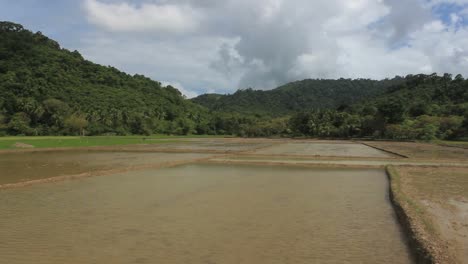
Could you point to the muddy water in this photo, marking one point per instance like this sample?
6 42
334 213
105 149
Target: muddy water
18 167
211 145
205 214
330 161
324 149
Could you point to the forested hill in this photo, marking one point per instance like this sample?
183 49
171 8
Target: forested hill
421 107
47 90
297 96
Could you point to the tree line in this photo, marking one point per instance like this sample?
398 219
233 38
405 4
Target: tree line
48 90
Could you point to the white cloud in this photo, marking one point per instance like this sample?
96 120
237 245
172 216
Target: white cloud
184 62
445 48
438 2
148 17
230 44
463 14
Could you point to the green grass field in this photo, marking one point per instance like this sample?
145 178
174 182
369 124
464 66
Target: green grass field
62 142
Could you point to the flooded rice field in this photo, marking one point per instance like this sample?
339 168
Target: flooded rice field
324 149
27 166
205 213
330 161
210 145
200 201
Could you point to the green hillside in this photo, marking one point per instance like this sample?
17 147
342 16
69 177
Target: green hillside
421 107
47 90
297 96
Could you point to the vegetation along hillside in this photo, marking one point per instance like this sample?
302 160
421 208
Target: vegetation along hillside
421 107
297 96
47 90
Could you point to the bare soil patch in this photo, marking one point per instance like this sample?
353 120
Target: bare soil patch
440 196
422 150
315 148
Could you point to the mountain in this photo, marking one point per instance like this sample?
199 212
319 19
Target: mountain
48 90
305 95
421 107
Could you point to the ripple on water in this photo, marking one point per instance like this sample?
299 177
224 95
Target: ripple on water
205 214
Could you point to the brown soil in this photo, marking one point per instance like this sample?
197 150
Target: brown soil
452 219
436 202
422 150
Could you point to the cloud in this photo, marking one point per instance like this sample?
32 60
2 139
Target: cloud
126 17
405 16
184 62
438 2
223 45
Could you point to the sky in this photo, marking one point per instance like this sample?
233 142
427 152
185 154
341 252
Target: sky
220 46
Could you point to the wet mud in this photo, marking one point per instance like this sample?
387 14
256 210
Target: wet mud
204 213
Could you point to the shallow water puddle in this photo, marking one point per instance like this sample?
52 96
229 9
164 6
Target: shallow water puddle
324 149
205 214
20 167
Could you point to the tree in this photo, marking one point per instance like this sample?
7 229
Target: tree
19 124
464 128
427 127
9 26
3 125
449 127
76 124
393 110
459 78
55 112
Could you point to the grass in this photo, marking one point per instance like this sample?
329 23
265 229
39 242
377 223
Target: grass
403 198
438 184
63 141
421 228
461 144
420 190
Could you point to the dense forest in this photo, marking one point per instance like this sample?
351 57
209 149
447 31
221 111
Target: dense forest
422 107
306 95
48 90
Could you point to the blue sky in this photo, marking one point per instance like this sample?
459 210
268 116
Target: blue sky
56 18
224 45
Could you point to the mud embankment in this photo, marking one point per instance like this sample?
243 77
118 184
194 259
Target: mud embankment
425 246
385 150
